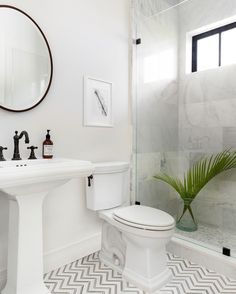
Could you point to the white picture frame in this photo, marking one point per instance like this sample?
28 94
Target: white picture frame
98 110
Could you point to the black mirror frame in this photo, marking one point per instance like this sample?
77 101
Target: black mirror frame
50 56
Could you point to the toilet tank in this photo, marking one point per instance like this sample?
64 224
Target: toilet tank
109 186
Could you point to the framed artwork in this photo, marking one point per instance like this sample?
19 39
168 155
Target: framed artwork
97 103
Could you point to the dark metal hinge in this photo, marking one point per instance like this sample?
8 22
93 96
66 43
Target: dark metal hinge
138 41
226 251
89 180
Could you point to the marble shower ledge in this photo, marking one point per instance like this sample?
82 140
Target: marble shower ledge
210 237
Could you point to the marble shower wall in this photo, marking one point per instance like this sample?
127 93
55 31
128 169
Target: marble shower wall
149 8
207 113
157 102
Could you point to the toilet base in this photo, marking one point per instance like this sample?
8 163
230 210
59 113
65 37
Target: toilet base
141 260
108 261
146 261
113 247
148 285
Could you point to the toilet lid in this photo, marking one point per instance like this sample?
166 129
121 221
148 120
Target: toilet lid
144 217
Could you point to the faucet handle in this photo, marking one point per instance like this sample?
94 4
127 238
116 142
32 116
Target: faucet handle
32 154
1 153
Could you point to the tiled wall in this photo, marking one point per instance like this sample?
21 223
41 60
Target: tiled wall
207 120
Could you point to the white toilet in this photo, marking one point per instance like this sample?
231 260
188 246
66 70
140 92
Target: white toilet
134 237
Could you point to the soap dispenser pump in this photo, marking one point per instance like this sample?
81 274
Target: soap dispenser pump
48 147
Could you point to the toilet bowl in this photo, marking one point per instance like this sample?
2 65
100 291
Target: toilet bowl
134 238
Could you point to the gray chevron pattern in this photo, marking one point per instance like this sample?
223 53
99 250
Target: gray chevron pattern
89 275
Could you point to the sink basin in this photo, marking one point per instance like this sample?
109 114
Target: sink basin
33 176
42 162
26 183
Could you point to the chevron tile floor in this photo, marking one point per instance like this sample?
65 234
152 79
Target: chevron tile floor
89 275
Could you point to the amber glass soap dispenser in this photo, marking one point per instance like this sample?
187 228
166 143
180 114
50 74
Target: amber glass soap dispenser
48 147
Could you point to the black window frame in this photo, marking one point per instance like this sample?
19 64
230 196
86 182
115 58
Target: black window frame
196 38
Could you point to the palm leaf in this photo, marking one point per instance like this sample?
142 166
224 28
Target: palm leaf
200 174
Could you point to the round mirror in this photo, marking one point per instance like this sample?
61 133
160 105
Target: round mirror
25 61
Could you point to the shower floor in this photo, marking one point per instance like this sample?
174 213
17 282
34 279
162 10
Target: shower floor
210 237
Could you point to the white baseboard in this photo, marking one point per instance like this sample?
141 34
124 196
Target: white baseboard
71 252
203 256
65 255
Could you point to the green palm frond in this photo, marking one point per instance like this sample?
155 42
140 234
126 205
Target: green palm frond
200 174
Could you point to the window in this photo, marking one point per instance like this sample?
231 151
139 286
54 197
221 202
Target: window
214 48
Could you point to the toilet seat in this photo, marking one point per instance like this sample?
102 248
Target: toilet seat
144 218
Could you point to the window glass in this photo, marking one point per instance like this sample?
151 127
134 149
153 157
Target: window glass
228 47
208 52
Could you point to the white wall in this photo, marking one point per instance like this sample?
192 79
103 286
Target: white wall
87 37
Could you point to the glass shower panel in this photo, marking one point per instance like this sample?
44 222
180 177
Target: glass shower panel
157 103
183 116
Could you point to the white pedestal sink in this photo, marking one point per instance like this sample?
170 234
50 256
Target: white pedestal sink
26 183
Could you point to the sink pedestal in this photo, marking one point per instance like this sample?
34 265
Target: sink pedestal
25 184
25 248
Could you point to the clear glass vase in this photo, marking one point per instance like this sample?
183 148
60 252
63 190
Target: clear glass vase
186 220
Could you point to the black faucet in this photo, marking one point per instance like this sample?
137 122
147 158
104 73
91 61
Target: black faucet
32 154
1 153
16 155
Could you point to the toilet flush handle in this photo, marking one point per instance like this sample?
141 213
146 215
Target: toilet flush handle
89 180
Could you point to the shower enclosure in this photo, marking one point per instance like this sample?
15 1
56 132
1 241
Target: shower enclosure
181 115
